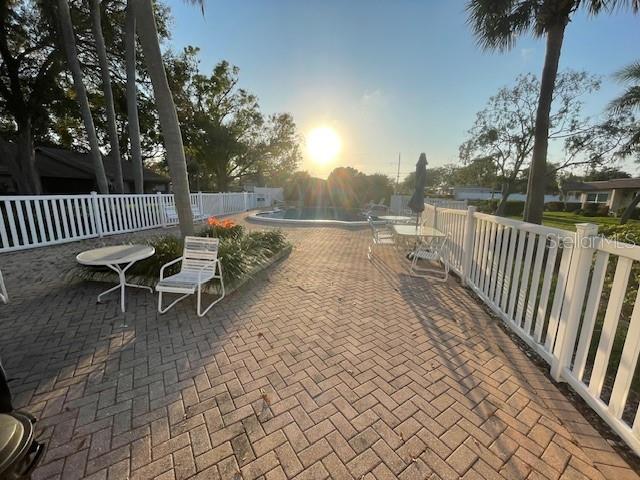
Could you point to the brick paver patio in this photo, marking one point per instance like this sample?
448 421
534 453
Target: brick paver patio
331 367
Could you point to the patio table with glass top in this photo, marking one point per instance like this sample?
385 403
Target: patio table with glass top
395 218
419 231
118 258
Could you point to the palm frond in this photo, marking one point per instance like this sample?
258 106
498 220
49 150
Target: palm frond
596 6
630 73
629 100
197 3
497 23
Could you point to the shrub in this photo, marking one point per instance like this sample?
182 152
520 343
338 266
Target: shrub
167 248
221 229
572 207
238 252
485 206
627 233
635 214
603 210
590 210
555 206
514 208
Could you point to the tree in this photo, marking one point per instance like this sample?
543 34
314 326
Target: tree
227 138
66 27
30 64
606 173
497 24
504 131
346 186
350 188
629 102
379 188
108 94
480 171
132 97
148 34
626 105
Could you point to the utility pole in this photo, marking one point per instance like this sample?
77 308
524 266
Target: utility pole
398 174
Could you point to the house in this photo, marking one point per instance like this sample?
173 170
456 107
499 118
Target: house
616 193
65 171
474 192
486 193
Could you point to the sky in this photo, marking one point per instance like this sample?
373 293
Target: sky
390 77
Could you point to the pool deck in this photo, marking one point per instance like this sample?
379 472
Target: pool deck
330 366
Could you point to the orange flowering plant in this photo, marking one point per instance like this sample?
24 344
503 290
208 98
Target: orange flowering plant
222 228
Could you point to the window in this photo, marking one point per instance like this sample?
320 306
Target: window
598 197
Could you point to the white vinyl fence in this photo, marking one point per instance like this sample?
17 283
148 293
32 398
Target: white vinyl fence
398 204
35 221
572 297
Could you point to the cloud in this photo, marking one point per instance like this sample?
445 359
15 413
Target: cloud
373 97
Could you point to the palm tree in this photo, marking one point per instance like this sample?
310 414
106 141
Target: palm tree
629 102
132 97
66 27
148 34
497 24
96 26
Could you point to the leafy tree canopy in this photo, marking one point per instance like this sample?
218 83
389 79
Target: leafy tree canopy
227 137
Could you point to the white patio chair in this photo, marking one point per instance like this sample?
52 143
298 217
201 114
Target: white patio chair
4 296
433 250
171 214
380 235
200 265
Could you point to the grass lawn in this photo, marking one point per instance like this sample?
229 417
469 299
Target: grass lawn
567 221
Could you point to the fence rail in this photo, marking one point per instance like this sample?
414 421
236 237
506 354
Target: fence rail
572 297
399 203
35 221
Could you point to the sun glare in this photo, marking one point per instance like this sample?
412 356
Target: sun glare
323 144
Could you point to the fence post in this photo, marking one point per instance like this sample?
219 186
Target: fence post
244 194
435 217
200 203
467 244
97 216
161 212
579 267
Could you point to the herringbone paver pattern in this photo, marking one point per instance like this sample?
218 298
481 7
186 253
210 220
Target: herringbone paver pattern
332 367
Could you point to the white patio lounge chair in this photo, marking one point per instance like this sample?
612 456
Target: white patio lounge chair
171 214
381 234
433 250
4 296
200 265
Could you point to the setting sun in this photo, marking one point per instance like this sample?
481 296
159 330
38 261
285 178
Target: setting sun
323 144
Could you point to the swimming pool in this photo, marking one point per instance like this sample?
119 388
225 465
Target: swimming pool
313 216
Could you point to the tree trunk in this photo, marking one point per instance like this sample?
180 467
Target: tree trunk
504 197
27 158
167 115
64 18
132 98
14 156
626 215
108 95
536 187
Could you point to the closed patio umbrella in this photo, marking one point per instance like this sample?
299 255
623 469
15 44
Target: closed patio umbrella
416 202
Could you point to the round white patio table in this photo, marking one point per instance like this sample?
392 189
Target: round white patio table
118 258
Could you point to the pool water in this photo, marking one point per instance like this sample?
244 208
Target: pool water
318 213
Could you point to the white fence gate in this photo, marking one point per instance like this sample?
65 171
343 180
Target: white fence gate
572 297
35 221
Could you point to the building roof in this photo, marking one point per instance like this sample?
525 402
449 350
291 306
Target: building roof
59 163
617 183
